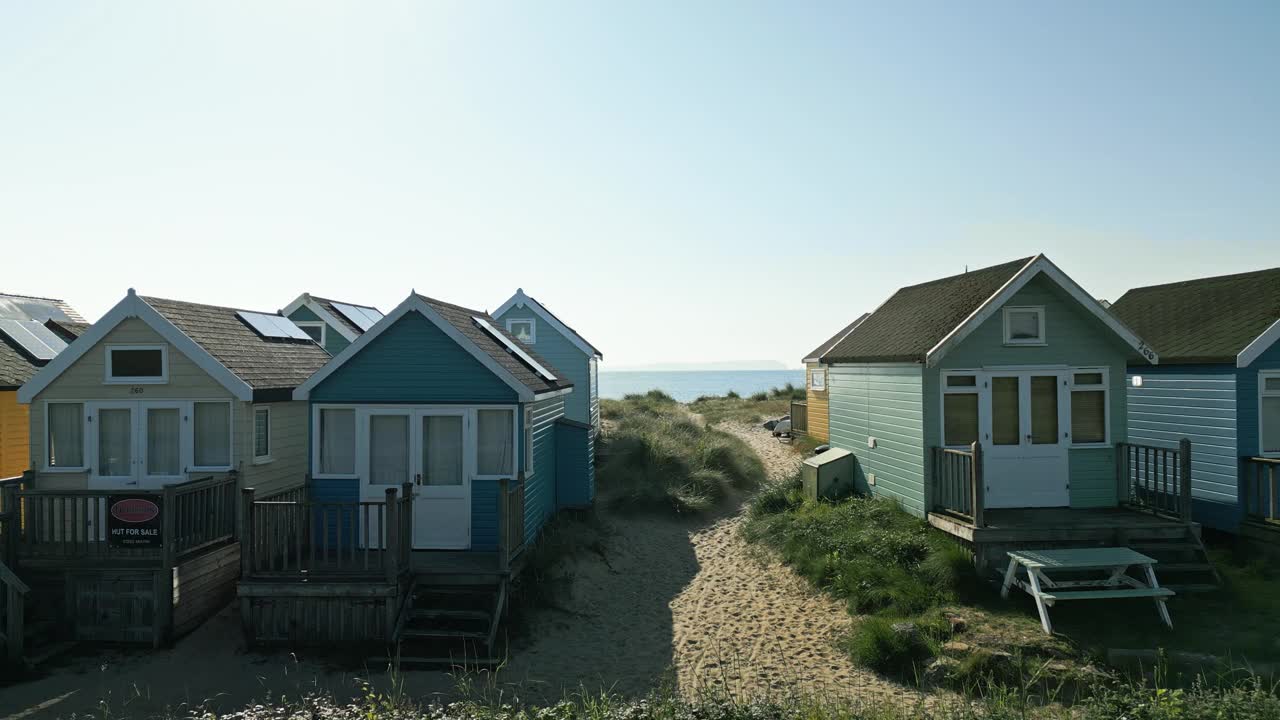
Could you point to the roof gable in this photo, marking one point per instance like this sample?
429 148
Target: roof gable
822 349
1208 320
522 300
325 312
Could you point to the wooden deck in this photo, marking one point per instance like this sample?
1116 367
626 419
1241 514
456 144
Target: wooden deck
1058 524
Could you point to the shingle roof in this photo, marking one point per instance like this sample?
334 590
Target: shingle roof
462 319
1206 320
263 363
569 327
66 329
819 351
37 308
916 318
327 304
16 367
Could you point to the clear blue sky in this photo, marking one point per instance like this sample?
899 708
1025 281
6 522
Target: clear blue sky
681 181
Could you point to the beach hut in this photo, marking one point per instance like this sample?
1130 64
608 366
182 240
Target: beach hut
141 433
333 324
530 322
1218 384
815 384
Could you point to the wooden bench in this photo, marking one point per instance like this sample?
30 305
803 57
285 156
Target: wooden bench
1050 597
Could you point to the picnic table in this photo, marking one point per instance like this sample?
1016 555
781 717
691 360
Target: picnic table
1113 582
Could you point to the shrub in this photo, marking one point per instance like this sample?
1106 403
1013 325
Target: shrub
759 397
733 395
877 645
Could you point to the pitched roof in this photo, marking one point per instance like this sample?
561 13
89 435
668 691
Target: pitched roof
327 304
831 341
262 363
463 320
16 366
67 329
916 318
23 307
521 299
1207 320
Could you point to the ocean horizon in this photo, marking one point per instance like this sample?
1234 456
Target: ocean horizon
687 385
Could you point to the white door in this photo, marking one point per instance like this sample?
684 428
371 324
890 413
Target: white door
160 447
1025 440
386 461
442 482
113 446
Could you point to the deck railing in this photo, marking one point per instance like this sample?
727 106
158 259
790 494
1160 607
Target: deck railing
1155 479
1260 477
799 416
510 521
957 486
12 610
9 516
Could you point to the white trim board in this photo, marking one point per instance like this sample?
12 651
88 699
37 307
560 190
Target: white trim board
305 300
1036 266
1259 345
522 300
133 306
415 303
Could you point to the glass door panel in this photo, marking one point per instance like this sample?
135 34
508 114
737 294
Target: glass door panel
115 443
1006 410
163 442
442 450
1044 410
388 449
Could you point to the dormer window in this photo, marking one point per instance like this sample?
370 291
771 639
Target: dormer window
523 330
137 364
315 329
1024 326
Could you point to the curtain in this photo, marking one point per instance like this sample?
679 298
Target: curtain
338 442
495 452
115 442
442 449
66 435
261 432
1088 416
1044 410
1005 413
388 449
163 425
1270 430
960 418
213 434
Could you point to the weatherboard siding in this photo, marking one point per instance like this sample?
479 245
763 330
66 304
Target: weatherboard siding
334 342
540 490
575 477
817 402
289 453
882 402
14 443
567 361
413 361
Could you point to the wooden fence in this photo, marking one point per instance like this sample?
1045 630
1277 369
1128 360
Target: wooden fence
957 487
1155 479
510 521
799 416
1261 501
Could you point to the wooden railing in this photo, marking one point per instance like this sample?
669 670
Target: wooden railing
1155 479
957 483
12 610
1260 476
304 539
9 517
510 521
201 513
799 416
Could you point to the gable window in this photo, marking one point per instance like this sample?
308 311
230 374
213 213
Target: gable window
959 410
495 452
337 446
1024 326
137 364
65 436
316 330
818 379
1269 413
212 435
1089 406
524 330
262 434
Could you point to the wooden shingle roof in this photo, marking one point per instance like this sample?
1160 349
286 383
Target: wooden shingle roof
1209 320
916 318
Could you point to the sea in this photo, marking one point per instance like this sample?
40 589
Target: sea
686 386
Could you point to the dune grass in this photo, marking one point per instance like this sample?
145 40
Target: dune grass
758 407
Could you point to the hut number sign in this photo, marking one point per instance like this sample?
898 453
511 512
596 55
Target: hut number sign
134 521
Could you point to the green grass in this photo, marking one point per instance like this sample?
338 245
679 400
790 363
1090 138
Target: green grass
659 457
758 407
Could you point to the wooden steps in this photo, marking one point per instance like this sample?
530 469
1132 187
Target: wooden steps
451 624
1184 564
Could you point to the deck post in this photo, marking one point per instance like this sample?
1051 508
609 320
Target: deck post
1122 475
11 523
14 626
979 492
168 560
392 533
504 532
244 530
406 526
1184 478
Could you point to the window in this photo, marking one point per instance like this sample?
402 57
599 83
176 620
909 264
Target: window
388 449
523 330
1089 407
496 439
212 421
442 449
818 379
337 451
315 329
136 364
528 442
65 426
1024 326
261 434
1269 412
960 410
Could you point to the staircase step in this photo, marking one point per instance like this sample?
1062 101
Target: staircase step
433 634
1192 587
448 661
449 614
1183 567
48 652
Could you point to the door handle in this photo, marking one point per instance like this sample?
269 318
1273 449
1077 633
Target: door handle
417 479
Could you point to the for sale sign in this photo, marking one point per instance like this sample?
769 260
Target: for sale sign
133 521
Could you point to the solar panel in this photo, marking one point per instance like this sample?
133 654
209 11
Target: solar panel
363 317
515 349
36 339
272 326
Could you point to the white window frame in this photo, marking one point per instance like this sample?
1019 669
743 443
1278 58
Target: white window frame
818 371
1039 310
977 388
324 329
1105 387
109 379
315 442
1263 375
45 467
231 437
533 329
528 442
515 441
262 459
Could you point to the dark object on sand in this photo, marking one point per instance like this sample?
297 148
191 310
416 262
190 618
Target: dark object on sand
821 449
